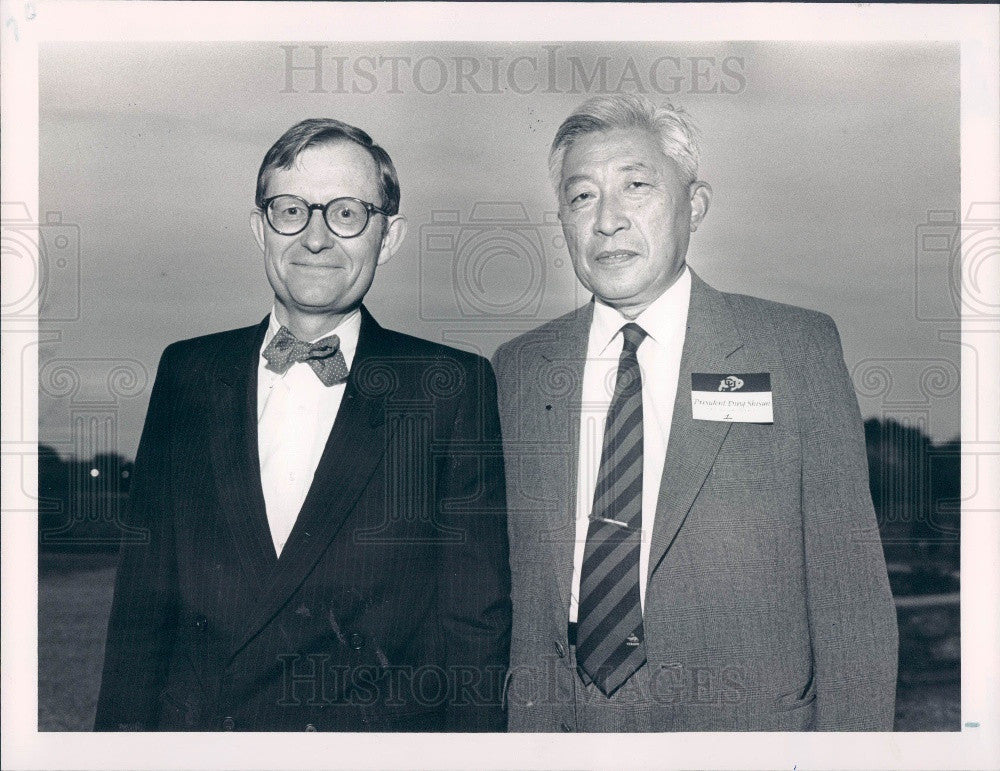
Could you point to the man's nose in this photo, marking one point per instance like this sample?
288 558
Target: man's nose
317 236
611 217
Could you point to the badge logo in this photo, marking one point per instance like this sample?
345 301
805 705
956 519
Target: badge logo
741 397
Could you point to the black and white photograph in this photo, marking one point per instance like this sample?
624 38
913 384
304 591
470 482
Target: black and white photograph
634 375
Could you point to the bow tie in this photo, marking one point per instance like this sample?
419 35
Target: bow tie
324 356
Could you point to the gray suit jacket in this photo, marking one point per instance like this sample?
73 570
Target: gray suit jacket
767 605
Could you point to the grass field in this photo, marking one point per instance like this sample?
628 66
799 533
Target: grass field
74 599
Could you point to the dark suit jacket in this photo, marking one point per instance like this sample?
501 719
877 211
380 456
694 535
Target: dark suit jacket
767 604
389 608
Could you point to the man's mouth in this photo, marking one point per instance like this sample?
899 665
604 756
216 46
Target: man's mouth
614 256
316 266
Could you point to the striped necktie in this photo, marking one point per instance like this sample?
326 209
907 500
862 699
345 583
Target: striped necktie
610 640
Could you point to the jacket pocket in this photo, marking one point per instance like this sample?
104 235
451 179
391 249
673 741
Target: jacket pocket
800 697
506 685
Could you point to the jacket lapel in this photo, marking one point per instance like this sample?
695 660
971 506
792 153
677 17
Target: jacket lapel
561 361
234 453
711 344
356 444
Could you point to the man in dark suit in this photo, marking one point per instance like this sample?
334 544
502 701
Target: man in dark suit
693 544
324 498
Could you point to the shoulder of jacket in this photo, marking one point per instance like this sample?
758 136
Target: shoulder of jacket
743 304
404 346
209 344
544 332
780 321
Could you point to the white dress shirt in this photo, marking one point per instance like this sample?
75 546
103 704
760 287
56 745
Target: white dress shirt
295 413
665 322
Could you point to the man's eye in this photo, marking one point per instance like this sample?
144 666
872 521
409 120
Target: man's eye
637 183
580 197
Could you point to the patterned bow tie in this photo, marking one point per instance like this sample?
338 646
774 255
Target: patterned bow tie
324 356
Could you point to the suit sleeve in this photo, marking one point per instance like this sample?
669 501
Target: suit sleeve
852 617
143 612
473 585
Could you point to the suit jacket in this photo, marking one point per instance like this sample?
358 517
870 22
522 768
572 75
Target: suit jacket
389 607
767 605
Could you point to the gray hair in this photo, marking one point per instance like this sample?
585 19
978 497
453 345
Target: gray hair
677 133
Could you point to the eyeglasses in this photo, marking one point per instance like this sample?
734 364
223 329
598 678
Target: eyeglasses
346 217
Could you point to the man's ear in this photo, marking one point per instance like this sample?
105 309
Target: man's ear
701 197
392 238
257 226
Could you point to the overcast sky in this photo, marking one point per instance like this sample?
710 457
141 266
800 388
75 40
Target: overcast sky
826 162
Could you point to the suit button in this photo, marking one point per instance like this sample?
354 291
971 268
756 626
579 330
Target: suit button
228 724
565 727
200 623
357 641
310 727
560 649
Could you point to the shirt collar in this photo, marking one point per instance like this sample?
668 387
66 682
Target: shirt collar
348 330
664 320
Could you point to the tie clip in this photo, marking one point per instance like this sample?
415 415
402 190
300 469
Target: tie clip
611 522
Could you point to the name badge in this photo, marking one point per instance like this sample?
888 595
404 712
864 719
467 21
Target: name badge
733 398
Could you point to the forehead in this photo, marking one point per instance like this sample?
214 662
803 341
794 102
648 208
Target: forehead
613 150
326 171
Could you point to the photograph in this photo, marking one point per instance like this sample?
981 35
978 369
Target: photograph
558 384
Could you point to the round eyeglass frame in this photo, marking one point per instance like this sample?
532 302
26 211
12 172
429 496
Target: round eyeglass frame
369 208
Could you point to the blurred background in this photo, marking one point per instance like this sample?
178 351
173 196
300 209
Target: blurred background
836 176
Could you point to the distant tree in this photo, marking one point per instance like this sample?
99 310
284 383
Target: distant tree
53 486
114 469
81 500
915 488
945 499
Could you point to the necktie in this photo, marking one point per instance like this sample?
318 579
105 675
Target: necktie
610 640
324 356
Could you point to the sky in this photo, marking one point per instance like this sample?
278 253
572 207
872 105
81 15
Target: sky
834 169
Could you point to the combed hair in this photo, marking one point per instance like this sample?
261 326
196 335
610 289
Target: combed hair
318 131
678 134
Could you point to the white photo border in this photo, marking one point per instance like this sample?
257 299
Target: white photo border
26 25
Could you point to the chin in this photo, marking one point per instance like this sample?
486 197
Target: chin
316 296
617 294
326 307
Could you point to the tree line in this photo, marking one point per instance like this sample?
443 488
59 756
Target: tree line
914 482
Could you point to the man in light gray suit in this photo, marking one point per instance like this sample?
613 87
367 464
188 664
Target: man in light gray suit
693 543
